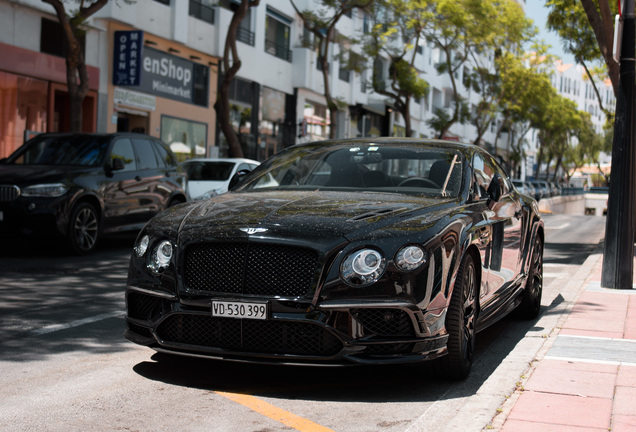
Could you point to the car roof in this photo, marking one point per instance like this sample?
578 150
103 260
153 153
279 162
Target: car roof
94 134
238 160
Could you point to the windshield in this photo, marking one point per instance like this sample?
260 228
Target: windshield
61 150
208 171
411 169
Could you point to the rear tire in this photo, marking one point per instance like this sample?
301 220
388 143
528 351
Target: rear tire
83 229
461 320
530 305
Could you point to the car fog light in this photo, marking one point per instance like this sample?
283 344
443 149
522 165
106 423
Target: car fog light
161 256
362 267
142 246
410 257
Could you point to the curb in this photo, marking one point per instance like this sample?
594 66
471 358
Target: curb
572 290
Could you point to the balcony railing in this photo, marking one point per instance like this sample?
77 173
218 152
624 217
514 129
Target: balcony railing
245 36
201 11
279 51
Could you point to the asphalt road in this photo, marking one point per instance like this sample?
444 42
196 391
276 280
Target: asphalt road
64 365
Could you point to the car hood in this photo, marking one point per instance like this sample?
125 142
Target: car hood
24 175
311 216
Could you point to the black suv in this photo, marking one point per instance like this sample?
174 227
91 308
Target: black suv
84 185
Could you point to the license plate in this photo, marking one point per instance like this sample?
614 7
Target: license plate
239 309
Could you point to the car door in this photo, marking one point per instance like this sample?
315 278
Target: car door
502 233
120 191
151 193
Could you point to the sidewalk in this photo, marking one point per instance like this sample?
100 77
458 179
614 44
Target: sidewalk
584 379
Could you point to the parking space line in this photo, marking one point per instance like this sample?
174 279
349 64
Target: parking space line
275 413
57 327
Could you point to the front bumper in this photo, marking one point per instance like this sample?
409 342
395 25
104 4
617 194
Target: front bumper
337 334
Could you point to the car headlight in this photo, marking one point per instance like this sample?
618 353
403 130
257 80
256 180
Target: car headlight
142 246
52 190
410 257
362 267
160 257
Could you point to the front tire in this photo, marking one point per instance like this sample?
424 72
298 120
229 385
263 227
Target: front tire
83 229
461 320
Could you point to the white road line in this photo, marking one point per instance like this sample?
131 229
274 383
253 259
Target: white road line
559 227
57 327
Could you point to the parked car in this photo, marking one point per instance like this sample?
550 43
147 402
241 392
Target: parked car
208 177
382 250
542 187
524 187
81 186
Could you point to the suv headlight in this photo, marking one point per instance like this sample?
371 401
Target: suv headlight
362 267
52 190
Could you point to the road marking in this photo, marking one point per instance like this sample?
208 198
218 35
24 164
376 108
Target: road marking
275 413
57 327
592 349
565 225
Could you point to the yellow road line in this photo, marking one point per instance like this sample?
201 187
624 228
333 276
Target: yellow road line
275 413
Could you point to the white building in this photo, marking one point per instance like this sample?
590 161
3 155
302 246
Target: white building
277 96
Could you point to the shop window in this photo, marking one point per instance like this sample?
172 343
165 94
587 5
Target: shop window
203 10
23 110
277 35
187 139
200 86
52 39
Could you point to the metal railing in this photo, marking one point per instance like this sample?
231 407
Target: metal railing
277 50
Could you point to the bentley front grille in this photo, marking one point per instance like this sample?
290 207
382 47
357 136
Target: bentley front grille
249 336
255 268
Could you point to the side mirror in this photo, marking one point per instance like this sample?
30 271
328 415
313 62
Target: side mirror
495 189
117 164
237 177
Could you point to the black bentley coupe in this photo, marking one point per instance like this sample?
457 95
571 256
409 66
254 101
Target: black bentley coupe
367 251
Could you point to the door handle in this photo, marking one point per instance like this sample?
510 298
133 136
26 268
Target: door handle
138 178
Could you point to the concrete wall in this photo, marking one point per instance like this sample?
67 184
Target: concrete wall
590 204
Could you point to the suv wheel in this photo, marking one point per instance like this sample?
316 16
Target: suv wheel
83 229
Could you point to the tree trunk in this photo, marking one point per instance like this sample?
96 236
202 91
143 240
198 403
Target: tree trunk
230 69
76 73
603 26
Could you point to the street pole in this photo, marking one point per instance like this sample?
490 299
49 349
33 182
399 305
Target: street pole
618 255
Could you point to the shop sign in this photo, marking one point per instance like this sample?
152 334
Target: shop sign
134 99
167 76
127 57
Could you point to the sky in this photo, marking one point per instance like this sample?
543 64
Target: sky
537 12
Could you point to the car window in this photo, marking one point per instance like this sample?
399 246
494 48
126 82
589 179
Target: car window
485 168
244 166
123 150
145 153
164 156
83 150
400 169
209 170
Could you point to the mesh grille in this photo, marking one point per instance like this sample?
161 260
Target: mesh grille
142 306
249 336
241 268
9 193
385 322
